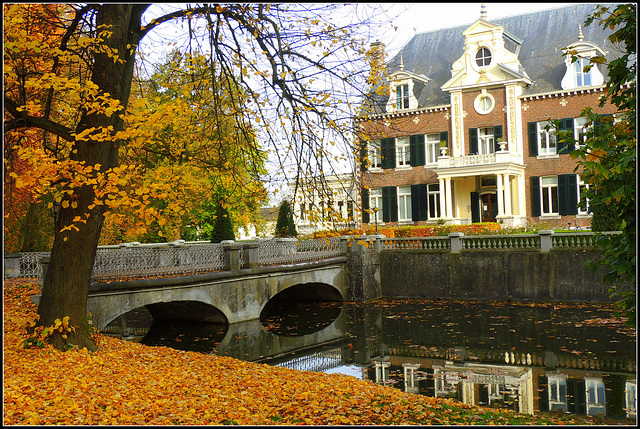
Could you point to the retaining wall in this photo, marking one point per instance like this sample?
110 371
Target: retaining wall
530 274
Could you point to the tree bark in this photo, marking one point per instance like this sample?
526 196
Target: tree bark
66 285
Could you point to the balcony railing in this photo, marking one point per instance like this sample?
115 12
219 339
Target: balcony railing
484 159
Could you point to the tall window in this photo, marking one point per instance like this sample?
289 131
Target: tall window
302 213
549 197
375 160
403 152
582 188
582 78
404 203
546 139
595 396
581 129
485 141
432 147
375 201
402 96
557 393
433 201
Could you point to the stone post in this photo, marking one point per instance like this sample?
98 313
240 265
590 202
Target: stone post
232 256
546 242
12 265
42 271
456 242
250 255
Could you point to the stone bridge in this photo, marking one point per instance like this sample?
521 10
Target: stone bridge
220 297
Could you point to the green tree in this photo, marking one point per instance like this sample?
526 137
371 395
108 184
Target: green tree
285 227
222 225
607 160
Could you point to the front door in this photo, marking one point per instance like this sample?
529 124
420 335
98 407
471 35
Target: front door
488 207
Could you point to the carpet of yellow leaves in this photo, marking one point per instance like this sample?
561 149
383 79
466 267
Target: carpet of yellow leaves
129 383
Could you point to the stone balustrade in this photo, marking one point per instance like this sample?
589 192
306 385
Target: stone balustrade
180 258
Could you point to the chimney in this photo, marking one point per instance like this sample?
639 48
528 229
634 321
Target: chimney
377 61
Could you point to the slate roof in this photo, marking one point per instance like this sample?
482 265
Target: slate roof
542 35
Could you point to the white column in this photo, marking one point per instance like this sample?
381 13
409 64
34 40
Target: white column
447 186
521 195
507 195
500 196
443 209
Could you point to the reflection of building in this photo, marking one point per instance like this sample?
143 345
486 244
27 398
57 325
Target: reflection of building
328 204
525 384
461 132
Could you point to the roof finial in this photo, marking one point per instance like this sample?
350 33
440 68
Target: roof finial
401 63
483 12
580 35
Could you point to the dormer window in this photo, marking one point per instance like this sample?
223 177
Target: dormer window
402 96
582 78
483 57
576 76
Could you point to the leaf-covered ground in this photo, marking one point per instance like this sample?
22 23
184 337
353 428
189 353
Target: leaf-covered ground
129 383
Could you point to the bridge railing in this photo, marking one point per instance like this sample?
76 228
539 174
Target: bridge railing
291 251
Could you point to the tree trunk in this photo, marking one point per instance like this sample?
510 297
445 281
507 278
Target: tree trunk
66 285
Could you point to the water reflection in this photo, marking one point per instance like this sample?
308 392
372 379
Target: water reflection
528 357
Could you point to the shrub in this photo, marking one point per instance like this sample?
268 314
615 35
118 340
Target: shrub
285 227
222 226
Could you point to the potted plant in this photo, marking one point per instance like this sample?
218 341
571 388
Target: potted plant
502 144
443 148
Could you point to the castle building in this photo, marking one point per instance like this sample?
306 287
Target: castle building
459 127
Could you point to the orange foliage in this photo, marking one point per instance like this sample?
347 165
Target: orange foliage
130 383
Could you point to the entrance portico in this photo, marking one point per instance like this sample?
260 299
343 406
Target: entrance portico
474 188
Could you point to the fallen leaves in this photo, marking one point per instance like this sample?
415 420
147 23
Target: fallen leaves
130 383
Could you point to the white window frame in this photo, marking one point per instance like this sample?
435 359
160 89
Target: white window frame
484 57
580 75
595 395
374 154
581 187
631 399
580 128
404 204
547 140
486 144
403 152
402 96
432 148
433 201
375 200
549 195
554 384
484 103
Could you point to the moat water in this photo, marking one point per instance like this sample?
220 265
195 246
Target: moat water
530 357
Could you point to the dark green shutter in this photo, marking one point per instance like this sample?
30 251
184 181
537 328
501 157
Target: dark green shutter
444 137
389 204
497 134
388 152
418 202
475 207
599 123
365 205
533 139
535 196
363 155
566 147
473 140
567 194
417 150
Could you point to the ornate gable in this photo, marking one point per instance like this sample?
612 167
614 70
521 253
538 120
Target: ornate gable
486 58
